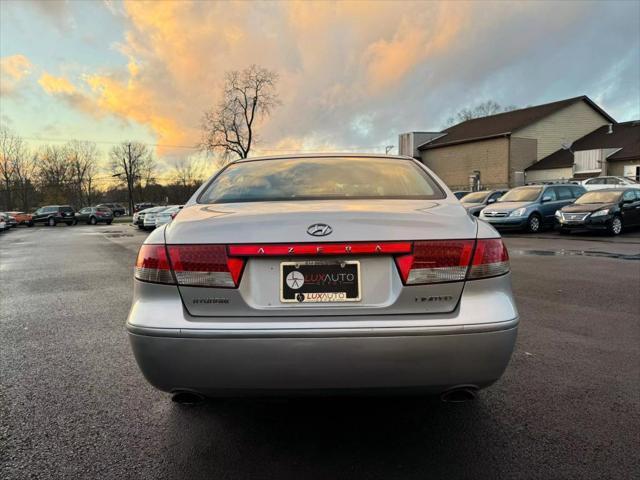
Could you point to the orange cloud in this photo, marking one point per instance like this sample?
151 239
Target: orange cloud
132 102
13 69
15 66
55 85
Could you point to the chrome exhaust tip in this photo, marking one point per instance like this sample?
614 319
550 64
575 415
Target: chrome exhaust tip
187 398
460 394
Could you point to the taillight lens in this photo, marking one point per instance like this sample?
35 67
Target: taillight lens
441 261
436 261
152 265
490 259
205 266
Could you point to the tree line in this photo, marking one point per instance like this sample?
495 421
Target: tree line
77 174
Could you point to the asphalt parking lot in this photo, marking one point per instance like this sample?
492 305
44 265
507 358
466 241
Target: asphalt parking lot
74 405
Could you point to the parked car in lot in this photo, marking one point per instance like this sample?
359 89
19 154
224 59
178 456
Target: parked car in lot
599 183
138 207
116 208
94 215
10 220
476 201
3 223
21 217
609 210
53 214
461 193
530 208
167 215
138 217
149 220
325 273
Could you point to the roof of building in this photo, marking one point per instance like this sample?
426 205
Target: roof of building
625 136
503 124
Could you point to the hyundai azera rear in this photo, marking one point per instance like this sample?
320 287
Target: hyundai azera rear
323 274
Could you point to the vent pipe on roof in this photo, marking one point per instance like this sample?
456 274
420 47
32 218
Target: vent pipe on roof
610 131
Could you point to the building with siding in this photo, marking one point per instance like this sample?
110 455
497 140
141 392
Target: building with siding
495 151
613 149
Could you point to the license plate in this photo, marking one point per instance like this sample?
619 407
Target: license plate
320 282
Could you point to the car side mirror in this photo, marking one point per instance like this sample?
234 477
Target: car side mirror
491 200
546 199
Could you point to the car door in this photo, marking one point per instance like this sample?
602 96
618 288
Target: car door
83 214
548 205
630 208
595 183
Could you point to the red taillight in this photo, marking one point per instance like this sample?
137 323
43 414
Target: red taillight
436 261
205 265
490 259
152 265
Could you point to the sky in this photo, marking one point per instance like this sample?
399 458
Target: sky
352 75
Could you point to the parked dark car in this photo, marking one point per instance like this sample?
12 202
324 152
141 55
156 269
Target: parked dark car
10 220
476 201
138 207
3 223
530 208
461 193
116 208
94 215
53 214
610 210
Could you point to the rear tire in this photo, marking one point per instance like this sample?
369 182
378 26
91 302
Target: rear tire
51 222
140 227
69 223
109 222
534 223
93 221
116 214
615 227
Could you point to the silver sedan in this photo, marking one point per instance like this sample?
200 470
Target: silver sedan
323 273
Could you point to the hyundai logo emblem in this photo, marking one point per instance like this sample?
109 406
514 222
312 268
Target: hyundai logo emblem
319 230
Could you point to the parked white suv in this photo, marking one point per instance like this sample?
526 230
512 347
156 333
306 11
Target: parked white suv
598 183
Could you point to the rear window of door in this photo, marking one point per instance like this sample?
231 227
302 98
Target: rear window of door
613 181
564 193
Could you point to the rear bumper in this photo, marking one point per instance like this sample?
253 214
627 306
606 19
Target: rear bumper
222 366
220 356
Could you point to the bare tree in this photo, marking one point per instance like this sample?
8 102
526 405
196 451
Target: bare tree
53 174
490 107
10 146
24 170
230 127
188 171
130 162
82 160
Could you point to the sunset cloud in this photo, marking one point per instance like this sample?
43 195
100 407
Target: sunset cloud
352 75
13 69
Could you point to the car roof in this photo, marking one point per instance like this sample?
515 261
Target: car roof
324 155
613 189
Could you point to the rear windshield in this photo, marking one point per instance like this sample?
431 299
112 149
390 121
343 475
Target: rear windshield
320 179
599 197
521 195
475 197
